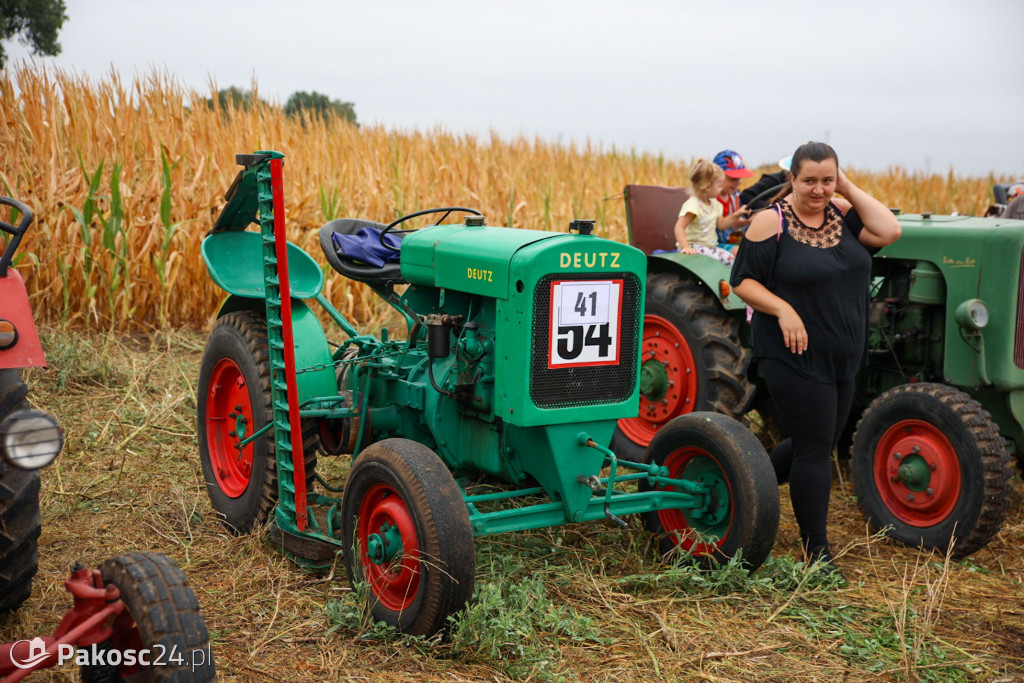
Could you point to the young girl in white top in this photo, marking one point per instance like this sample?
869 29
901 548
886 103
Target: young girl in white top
701 215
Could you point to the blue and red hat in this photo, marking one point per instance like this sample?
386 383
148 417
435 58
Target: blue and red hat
732 164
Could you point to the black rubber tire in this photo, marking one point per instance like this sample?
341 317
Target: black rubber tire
711 447
162 615
241 337
712 336
444 573
973 448
20 523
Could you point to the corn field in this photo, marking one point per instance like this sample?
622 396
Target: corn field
126 177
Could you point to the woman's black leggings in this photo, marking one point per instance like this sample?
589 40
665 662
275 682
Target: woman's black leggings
813 415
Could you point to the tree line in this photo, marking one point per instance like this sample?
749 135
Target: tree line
313 103
36 23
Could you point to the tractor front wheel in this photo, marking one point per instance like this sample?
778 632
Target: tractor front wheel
161 616
20 523
740 507
407 536
690 360
233 403
930 468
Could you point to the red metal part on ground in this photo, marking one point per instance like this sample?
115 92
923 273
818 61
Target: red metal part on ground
281 248
86 623
27 352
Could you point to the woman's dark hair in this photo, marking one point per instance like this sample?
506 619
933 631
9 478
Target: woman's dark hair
812 151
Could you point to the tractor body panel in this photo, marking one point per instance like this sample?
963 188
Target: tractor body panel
471 259
234 259
568 333
958 258
23 350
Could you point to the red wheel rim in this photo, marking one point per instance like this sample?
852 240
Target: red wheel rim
917 473
668 380
692 529
395 582
229 420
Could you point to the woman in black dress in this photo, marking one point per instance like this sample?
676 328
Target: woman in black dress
805 269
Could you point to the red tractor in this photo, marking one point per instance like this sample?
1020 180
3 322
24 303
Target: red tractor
135 618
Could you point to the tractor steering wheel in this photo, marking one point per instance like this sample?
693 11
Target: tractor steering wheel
446 209
762 195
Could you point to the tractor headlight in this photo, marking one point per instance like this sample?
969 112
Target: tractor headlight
972 314
30 439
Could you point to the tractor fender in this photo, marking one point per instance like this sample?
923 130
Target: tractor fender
311 347
706 270
26 351
234 261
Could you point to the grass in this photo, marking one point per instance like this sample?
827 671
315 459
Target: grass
577 603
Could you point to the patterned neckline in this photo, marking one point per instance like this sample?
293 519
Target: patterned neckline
823 237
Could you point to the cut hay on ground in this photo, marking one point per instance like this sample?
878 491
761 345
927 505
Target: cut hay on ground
609 610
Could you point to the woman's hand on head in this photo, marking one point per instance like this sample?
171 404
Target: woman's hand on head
842 183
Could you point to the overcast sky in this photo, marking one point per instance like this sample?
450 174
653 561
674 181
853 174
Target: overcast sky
924 85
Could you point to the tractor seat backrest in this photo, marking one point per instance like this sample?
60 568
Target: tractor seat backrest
651 213
389 273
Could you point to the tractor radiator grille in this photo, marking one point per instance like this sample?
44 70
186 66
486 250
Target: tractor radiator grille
1018 342
587 385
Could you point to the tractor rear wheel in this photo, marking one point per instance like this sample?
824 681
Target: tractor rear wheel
233 403
20 523
162 616
930 468
741 506
691 360
407 537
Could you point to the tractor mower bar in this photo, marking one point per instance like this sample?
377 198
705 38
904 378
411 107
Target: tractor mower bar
281 251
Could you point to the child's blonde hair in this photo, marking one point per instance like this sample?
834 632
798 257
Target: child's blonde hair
704 174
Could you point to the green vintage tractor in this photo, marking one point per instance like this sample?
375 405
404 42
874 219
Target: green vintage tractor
492 412
939 410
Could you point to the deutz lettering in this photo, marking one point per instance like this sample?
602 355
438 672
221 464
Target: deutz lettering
479 274
604 259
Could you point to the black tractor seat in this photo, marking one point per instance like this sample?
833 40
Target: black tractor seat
389 273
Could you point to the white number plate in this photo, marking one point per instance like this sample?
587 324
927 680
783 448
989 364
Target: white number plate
586 316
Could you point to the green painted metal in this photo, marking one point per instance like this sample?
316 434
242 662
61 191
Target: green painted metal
953 249
234 261
654 380
567 254
382 547
451 257
694 497
242 196
915 473
707 272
